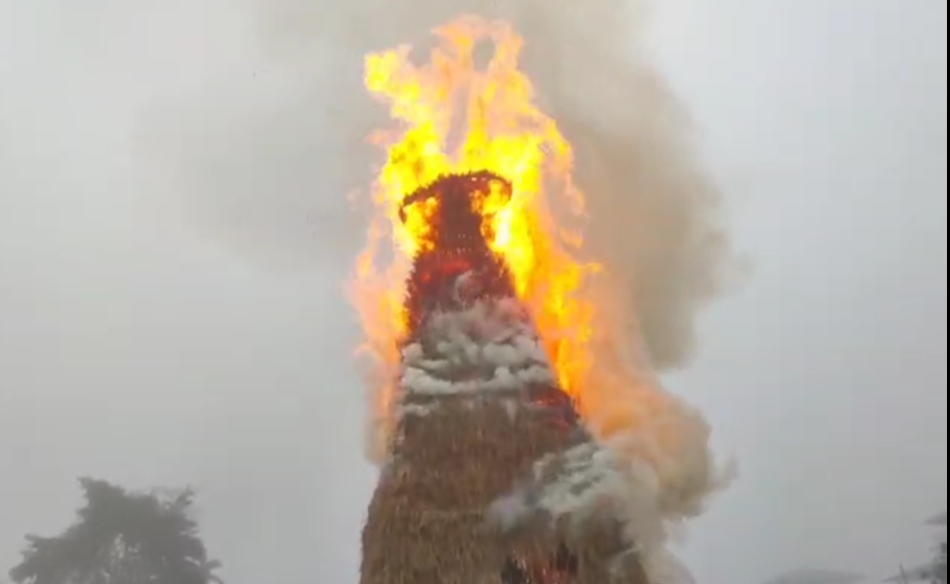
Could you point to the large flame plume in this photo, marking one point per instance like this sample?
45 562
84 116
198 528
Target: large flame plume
504 132
456 117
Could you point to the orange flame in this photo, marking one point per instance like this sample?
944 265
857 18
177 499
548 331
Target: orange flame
499 128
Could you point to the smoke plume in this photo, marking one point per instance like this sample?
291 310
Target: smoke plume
652 206
271 173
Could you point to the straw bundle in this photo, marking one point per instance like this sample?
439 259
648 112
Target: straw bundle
481 422
427 521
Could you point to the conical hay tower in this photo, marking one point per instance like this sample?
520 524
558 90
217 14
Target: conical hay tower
478 409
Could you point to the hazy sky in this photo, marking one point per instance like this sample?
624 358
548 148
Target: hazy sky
144 343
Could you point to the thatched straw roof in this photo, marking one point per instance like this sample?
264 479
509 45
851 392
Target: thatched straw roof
476 413
427 522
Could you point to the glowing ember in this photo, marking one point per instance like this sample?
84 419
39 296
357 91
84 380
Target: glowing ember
502 132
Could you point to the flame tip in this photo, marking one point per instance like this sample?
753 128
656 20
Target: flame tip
506 140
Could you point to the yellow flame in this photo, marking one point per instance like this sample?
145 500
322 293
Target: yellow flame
499 129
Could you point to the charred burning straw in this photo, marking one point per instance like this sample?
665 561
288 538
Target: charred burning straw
468 334
470 337
484 295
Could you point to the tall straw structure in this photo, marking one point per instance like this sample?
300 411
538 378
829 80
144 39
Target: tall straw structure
491 478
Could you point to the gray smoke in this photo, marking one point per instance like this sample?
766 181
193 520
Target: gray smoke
269 168
270 172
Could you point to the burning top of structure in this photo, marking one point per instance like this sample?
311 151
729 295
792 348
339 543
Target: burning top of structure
455 265
518 160
471 363
507 456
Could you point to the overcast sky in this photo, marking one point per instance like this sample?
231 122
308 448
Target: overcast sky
141 343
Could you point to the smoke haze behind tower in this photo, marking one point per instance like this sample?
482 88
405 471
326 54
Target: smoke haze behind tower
826 122
653 210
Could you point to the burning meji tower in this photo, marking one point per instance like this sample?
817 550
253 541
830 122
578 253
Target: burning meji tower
492 478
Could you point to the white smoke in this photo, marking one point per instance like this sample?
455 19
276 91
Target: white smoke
589 486
491 338
489 350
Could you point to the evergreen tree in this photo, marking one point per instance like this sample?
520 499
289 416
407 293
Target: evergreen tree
121 537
